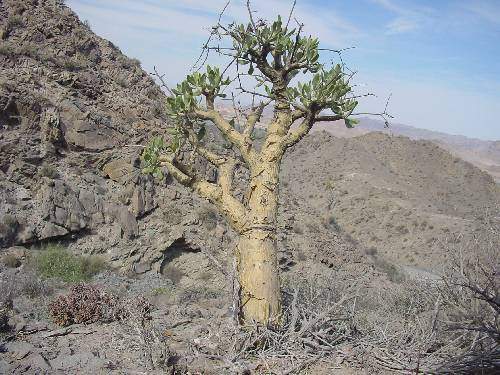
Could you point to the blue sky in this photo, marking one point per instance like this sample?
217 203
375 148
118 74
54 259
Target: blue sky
439 59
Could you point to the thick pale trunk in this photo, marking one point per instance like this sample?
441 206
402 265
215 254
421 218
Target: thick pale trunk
259 277
256 251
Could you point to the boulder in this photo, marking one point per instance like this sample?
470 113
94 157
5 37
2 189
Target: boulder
120 170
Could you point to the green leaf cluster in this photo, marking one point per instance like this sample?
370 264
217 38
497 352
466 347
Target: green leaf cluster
327 89
150 157
186 94
278 40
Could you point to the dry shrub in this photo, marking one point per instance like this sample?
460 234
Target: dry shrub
471 309
193 295
24 283
138 326
14 21
5 308
85 304
6 49
11 261
8 228
447 326
33 287
316 321
392 271
48 170
4 320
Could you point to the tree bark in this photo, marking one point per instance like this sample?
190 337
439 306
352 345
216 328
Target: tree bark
258 276
257 249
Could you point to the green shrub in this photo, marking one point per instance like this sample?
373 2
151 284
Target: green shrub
332 222
159 291
158 109
122 81
92 265
56 262
208 216
6 49
372 251
29 50
393 273
128 63
49 171
73 64
14 21
10 221
173 273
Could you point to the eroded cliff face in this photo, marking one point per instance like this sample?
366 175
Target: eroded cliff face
73 110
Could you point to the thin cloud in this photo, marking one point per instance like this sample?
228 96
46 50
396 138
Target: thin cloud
196 17
408 18
169 34
401 25
485 10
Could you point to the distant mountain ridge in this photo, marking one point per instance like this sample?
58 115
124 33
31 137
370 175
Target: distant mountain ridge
483 154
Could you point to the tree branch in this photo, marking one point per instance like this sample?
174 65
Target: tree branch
218 194
296 135
182 176
252 119
297 114
235 137
211 156
328 118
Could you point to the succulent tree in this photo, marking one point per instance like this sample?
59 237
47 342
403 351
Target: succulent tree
273 55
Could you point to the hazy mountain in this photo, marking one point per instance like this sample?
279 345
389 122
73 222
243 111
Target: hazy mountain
484 154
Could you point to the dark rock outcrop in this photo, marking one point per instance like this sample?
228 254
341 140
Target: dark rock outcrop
73 109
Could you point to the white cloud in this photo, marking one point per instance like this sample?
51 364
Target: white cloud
195 17
401 25
407 18
169 34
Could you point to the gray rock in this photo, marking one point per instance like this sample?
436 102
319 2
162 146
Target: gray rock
4 367
51 230
79 361
120 170
18 252
84 133
19 349
35 363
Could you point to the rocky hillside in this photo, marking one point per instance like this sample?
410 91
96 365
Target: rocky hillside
73 110
410 201
481 153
